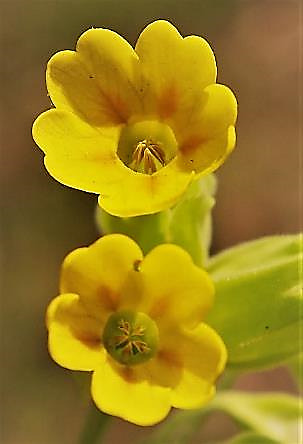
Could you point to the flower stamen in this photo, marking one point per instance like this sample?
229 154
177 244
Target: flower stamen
130 337
129 341
148 156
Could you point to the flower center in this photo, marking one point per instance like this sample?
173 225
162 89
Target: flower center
147 156
147 146
130 337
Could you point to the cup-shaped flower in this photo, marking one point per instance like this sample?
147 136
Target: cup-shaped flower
135 126
136 324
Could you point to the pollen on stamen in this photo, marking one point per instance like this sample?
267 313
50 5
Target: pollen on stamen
147 157
130 338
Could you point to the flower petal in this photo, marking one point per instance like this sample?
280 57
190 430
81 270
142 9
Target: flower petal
136 194
98 272
173 69
97 81
204 355
77 154
207 136
83 157
175 289
74 336
192 392
163 370
125 392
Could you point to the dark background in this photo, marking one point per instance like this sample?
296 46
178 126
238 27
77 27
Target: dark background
256 43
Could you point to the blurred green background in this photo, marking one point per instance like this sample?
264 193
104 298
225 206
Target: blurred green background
256 43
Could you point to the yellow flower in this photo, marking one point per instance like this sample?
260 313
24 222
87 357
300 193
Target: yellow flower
135 125
136 323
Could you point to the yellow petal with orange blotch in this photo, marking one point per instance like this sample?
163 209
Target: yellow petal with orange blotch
174 69
207 136
74 339
98 272
84 157
77 154
97 81
138 194
203 356
125 392
175 289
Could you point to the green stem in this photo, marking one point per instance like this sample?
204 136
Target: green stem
95 425
187 224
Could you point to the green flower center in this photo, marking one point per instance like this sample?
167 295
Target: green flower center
147 146
130 337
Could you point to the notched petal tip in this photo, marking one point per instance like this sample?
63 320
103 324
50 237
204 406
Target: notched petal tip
132 399
177 292
204 357
98 272
74 340
161 26
211 136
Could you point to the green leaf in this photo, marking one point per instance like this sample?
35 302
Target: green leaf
273 415
258 309
268 417
187 224
251 438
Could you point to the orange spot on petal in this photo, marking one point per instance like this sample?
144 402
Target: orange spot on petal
160 307
90 342
170 358
116 109
192 143
108 298
128 374
168 102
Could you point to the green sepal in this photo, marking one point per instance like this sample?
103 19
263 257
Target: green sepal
190 221
148 231
257 309
187 224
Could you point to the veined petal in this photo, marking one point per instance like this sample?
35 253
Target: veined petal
203 355
175 289
173 69
97 81
98 272
207 136
126 393
74 335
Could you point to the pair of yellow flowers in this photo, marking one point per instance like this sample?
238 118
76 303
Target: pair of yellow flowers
136 126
